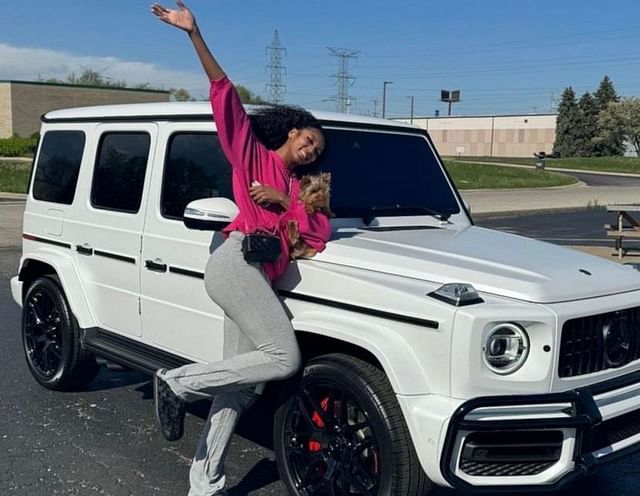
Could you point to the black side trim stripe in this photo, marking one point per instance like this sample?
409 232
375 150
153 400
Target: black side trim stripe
187 272
47 241
356 308
114 256
321 301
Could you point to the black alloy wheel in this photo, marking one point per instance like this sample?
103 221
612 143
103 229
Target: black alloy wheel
329 433
50 338
339 432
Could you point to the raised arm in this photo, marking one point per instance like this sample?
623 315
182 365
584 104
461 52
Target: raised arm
183 19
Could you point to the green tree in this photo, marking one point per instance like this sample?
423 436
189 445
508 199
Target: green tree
620 122
613 144
605 93
568 115
181 95
89 77
586 125
249 97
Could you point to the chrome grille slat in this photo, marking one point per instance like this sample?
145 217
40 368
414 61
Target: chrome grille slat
582 345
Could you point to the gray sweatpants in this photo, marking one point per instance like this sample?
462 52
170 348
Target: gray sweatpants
268 351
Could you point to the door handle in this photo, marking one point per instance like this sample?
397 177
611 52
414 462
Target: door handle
84 249
155 266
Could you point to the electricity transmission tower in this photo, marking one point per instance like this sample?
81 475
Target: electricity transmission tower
375 107
275 86
343 78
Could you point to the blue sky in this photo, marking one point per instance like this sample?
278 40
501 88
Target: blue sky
505 56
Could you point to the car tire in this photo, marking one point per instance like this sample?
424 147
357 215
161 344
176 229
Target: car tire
51 338
338 430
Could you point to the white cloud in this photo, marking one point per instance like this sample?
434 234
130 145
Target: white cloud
29 64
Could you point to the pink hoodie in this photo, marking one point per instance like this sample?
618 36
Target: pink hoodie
252 161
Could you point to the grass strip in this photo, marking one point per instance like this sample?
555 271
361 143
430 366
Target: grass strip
604 164
483 176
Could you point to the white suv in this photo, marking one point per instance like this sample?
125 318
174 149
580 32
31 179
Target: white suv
435 350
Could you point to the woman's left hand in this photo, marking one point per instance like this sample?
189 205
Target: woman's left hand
181 17
264 195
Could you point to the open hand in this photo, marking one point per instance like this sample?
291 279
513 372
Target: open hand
181 17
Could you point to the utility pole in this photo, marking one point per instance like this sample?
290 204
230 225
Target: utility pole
411 97
384 97
343 78
375 107
275 86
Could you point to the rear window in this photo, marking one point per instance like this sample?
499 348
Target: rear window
58 166
118 178
195 168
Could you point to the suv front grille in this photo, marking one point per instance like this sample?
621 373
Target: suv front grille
599 342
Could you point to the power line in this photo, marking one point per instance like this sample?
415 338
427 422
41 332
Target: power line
343 78
275 86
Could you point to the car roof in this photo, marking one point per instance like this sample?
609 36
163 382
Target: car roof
193 110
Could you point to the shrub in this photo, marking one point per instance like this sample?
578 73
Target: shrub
18 147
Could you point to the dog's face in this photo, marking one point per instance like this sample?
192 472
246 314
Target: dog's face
315 192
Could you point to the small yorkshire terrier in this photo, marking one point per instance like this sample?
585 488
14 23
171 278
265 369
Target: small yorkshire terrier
315 193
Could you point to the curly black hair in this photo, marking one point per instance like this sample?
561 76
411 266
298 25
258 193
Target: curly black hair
272 124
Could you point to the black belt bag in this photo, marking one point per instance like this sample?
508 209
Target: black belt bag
261 248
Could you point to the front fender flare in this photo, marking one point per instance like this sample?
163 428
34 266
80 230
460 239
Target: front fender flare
66 271
405 371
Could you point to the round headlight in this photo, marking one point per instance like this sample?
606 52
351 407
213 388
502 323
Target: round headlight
506 348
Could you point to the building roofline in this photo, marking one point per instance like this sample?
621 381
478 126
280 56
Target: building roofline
546 114
87 86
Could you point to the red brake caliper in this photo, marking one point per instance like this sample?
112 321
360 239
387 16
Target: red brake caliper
314 445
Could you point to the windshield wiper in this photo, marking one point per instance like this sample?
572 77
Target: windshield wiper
398 210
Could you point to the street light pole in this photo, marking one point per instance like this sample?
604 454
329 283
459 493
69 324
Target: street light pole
384 97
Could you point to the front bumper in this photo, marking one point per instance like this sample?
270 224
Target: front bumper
535 443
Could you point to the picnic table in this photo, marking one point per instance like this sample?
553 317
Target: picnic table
626 226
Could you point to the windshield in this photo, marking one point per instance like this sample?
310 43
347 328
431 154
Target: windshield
393 173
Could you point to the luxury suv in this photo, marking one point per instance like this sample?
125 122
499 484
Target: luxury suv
434 351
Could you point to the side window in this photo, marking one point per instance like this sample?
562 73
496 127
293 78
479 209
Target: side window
195 168
58 166
118 178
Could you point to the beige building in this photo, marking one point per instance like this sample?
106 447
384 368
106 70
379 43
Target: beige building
23 102
491 136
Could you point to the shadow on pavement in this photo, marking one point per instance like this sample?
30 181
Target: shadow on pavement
262 474
109 379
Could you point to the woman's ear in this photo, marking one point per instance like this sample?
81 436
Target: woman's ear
293 132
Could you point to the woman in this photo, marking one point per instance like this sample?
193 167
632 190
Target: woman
267 195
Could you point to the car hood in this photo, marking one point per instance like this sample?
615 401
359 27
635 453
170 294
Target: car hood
492 261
